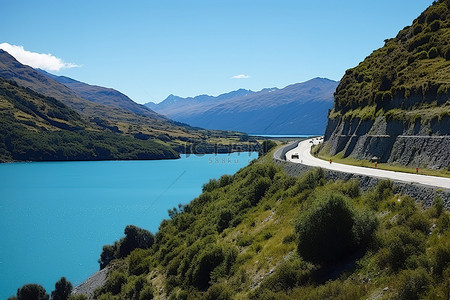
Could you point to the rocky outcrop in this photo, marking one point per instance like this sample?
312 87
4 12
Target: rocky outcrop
391 141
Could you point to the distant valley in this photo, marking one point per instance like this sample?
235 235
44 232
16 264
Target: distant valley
46 117
296 109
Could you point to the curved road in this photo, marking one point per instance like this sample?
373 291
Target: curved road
304 157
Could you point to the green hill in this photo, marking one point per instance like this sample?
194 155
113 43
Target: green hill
395 105
35 127
411 72
260 234
116 115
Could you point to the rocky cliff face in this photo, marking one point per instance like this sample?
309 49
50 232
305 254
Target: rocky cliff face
391 141
395 105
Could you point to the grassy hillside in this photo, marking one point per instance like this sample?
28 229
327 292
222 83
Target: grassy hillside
408 78
35 127
262 235
111 117
105 96
139 128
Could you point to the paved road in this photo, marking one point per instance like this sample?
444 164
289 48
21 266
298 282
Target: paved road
304 157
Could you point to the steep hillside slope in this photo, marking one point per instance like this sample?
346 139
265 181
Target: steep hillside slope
260 234
296 109
395 105
34 127
101 95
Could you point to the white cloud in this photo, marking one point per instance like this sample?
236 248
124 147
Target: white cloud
241 76
47 62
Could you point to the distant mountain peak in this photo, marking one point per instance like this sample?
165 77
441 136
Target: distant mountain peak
297 108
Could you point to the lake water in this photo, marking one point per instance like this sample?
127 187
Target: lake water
56 216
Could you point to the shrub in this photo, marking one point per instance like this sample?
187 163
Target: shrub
403 244
289 239
259 189
135 238
412 283
114 282
205 262
440 257
438 206
218 292
384 189
266 146
325 229
137 263
446 53
290 274
134 287
365 223
435 25
32 292
418 221
63 288
433 53
330 229
146 293
225 216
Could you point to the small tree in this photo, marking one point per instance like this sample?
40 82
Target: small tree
63 288
325 230
135 237
32 292
266 146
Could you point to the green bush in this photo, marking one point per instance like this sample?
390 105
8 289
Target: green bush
266 146
433 53
330 229
135 238
435 25
32 292
114 282
365 224
137 262
440 257
438 206
412 283
205 262
146 293
63 288
218 292
290 274
325 229
403 244
224 219
259 189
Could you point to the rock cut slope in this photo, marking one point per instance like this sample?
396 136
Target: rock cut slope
395 104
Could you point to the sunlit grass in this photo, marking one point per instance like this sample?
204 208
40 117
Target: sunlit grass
382 166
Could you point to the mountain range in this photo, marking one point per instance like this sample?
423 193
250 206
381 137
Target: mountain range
86 122
296 109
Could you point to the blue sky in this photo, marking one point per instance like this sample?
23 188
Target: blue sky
150 49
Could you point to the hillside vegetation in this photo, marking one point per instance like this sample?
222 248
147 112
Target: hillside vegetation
408 78
125 129
35 127
260 234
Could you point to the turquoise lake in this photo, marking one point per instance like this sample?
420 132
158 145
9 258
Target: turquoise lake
56 216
